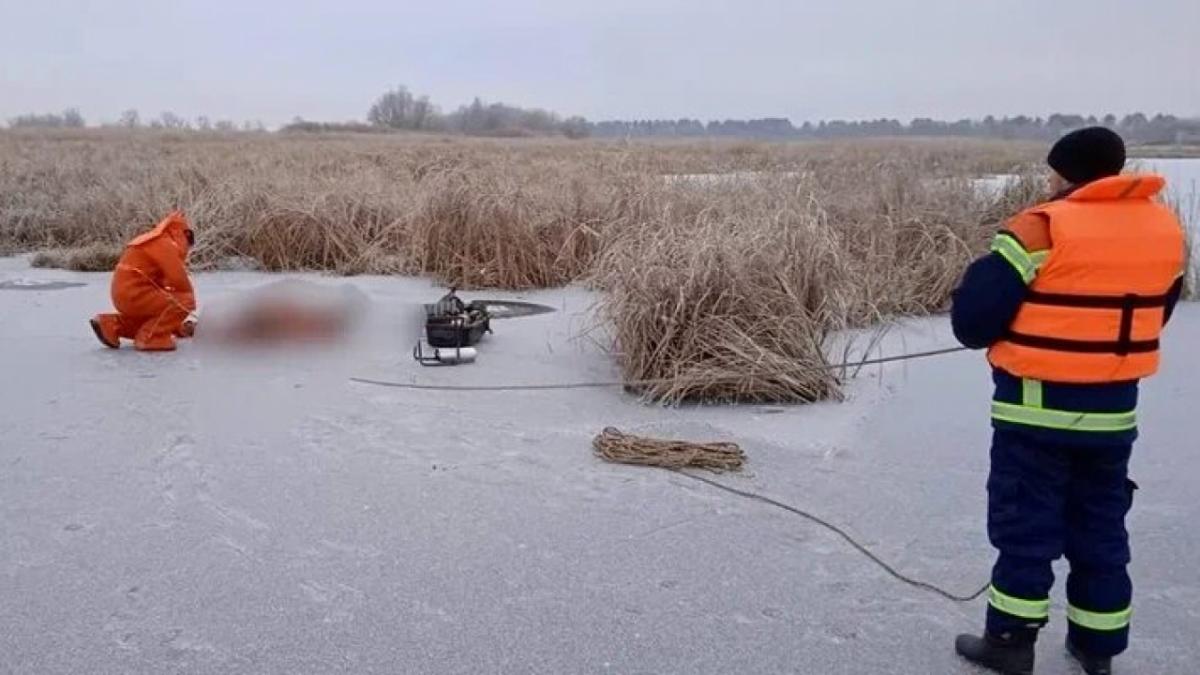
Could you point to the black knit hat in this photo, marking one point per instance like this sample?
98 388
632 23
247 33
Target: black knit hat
1088 154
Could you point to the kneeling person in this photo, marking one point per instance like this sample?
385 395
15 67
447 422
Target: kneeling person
151 290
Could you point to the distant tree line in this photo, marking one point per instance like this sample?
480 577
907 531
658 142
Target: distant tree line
1136 127
69 119
131 119
299 124
400 109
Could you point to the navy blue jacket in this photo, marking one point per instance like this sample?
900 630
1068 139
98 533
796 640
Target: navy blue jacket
985 305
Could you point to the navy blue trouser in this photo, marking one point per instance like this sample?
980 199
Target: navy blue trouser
1047 499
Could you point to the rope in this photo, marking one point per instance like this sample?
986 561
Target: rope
615 446
713 456
631 383
892 571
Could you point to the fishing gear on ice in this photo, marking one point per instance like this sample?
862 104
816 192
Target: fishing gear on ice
452 329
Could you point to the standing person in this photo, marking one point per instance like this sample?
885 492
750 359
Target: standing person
1070 304
151 290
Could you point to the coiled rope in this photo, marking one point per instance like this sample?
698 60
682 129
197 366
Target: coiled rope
616 446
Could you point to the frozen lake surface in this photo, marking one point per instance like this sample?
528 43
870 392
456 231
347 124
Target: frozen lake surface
201 512
1183 184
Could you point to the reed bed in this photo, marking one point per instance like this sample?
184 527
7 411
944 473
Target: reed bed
724 267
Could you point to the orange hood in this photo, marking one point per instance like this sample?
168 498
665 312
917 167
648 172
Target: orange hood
174 226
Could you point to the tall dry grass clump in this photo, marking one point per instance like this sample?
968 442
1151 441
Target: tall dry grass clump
90 258
1188 210
712 304
731 292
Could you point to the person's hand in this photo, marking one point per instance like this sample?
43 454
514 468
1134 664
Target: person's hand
188 328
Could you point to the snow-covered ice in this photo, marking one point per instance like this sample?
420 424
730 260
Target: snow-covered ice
203 512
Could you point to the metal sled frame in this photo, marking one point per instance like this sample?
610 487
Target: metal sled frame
426 355
427 358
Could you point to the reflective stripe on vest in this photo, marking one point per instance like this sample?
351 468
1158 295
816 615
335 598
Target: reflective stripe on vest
1101 621
1034 610
1025 263
1095 305
1031 412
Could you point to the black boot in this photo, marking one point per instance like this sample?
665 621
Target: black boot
1092 665
1008 654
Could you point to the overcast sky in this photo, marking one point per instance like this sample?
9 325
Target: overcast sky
274 59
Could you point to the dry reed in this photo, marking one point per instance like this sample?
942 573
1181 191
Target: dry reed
732 294
729 285
90 258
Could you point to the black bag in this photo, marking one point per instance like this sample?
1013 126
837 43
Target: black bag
450 322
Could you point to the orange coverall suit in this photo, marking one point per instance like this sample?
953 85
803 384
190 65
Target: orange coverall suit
151 290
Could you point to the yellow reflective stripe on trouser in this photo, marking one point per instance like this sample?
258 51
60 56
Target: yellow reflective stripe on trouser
1063 419
1104 621
1031 392
1018 607
1016 255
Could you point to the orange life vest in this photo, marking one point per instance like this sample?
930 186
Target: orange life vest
1095 306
